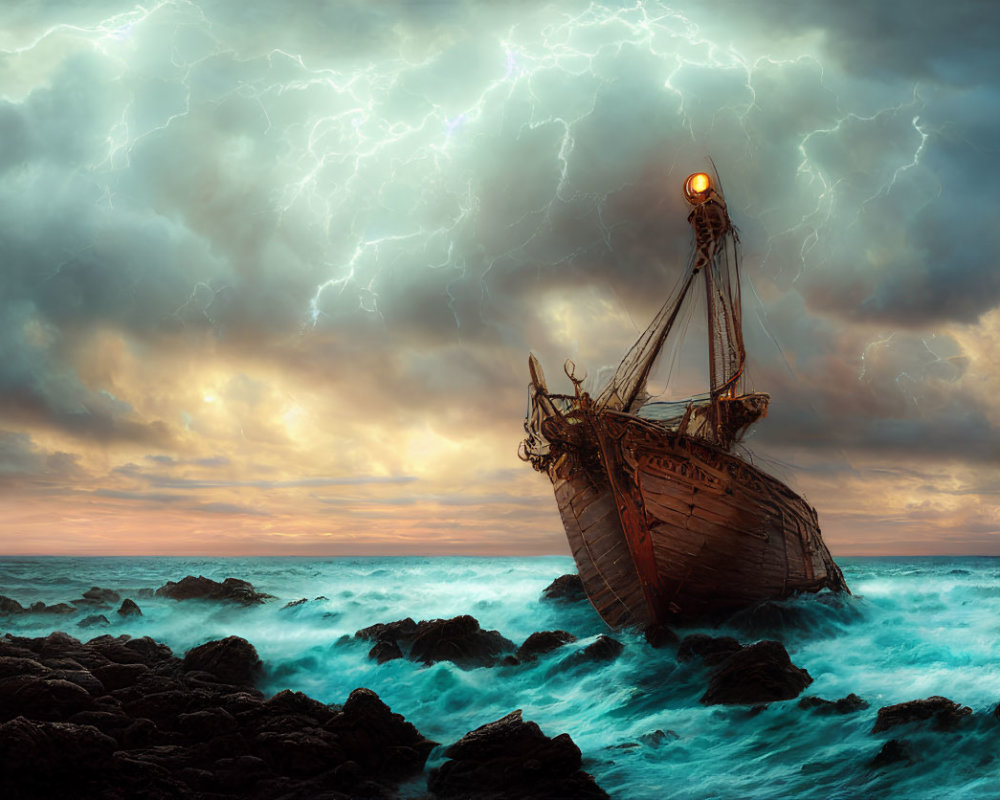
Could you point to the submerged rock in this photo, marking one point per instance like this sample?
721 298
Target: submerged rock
202 588
945 714
659 635
93 620
511 759
845 705
459 640
99 595
759 673
9 606
129 609
892 752
565 589
711 650
58 608
543 642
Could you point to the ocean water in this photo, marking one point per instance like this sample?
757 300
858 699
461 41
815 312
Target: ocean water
915 627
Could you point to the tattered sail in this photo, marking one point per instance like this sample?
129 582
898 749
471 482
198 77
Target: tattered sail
663 521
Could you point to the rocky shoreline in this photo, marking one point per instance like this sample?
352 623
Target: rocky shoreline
121 717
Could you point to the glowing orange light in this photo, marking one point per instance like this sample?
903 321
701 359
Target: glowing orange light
696 186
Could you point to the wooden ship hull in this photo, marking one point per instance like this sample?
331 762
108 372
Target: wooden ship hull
664 528
666 523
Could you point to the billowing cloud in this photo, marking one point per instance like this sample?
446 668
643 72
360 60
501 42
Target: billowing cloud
280 268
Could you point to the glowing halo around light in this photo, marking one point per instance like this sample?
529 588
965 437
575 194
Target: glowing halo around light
697 186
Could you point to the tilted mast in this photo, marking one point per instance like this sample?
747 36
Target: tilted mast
715 258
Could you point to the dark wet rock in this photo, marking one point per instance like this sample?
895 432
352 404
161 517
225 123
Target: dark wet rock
41 697
660 635
845 705
232 660
892 752
944 714
603 649
14 665
385 650
379 741
289 702
658 737
202 588
100 595
58 608
129 609
295 603
119 676
712 650
9 606
402 630
565 589
154 726
511 759
94 620
51 759
759 673
459 640
543 642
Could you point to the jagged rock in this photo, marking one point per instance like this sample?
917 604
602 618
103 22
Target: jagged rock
511 759
129 609
202 588
400 630
845 705
892 752
232 660
660 635
385 650
93 620
543 642
710 649
459 640
945 714
379 741
156 727
760 673
565 589
295 603
9 606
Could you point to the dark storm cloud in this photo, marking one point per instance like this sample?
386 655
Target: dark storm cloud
953 42
389 197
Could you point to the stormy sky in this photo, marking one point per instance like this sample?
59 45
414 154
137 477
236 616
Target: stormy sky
270 273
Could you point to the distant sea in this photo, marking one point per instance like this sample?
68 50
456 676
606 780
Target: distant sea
915 627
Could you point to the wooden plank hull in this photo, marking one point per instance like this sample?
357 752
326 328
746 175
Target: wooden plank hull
666 528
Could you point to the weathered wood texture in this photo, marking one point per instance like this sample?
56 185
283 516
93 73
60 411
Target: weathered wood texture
671 528
599 548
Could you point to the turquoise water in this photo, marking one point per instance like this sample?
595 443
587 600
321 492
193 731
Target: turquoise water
916 627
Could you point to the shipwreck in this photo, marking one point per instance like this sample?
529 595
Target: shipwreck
667 519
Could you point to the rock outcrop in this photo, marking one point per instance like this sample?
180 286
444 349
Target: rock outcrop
121 717
231 590
511 759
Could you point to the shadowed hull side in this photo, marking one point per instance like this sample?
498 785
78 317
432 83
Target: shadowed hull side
602 556
670 528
